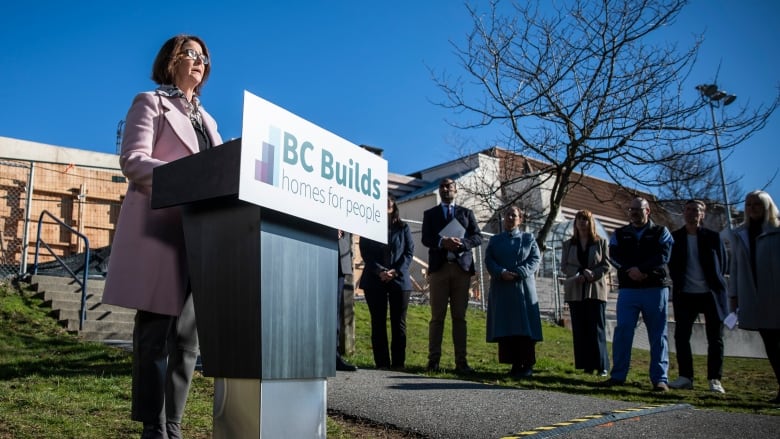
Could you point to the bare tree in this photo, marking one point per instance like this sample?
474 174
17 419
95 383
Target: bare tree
698 177
583 90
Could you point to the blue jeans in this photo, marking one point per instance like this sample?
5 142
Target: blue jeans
653 304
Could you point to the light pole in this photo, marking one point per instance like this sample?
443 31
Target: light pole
715 97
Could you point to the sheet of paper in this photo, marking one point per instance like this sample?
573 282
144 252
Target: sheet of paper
453 230
731 321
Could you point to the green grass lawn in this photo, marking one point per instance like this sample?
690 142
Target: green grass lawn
749 382
52 385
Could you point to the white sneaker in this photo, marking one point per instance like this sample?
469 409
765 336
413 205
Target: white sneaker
715 386
683 383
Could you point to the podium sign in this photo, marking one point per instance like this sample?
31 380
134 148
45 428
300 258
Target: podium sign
259 215
293 166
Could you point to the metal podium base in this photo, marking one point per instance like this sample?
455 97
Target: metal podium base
250 408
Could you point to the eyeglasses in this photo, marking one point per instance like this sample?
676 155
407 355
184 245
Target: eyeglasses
635 209
192 54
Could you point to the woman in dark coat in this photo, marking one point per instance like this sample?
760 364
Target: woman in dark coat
513 319
386 280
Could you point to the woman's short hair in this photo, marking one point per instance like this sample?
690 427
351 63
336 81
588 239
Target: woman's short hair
588 215
518 209
170 54
770 208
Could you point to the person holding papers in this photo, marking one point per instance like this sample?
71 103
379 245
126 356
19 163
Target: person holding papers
148 269
513 319
450 232
386 280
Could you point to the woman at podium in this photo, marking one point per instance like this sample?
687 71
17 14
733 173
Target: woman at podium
147 270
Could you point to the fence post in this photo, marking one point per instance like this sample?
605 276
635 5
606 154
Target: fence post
26 234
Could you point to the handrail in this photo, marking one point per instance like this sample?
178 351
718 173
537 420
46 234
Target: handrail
82 283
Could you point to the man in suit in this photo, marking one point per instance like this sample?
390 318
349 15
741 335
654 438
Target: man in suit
345 268
450 267
697 266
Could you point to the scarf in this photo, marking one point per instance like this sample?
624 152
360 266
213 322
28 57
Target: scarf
193 108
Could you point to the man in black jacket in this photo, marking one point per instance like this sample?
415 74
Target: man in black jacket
640 252
697 266
450 232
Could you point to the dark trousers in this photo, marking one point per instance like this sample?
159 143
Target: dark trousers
771 338
589 334
165 350
517 350
377 301
687 308
448 286
339 312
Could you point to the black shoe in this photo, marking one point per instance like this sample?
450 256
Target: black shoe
173 429
343 366
433 366
610 382
154 431
521 372
464 369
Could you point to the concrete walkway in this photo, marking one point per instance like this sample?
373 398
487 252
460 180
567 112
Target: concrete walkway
444 408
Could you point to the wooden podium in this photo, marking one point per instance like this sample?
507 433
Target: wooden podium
264 290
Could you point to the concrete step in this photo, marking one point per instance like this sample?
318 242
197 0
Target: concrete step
69 284
95 315
99 326
63 298
75 304
69 289
103 322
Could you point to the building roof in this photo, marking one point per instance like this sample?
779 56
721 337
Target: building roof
402 186
606 200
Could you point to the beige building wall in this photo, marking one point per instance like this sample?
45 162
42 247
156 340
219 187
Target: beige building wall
83 189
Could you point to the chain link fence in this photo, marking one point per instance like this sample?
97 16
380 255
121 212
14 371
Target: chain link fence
548 289
86 199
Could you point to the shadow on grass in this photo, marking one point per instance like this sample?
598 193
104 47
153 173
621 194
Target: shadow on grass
62 356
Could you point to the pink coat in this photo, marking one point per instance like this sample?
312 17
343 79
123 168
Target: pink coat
147 268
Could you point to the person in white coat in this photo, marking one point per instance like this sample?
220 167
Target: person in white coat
147 268
754 277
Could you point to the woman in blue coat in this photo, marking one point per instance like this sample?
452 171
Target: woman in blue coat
386 280
513 321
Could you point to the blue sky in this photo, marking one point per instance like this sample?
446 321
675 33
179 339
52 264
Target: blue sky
359 69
